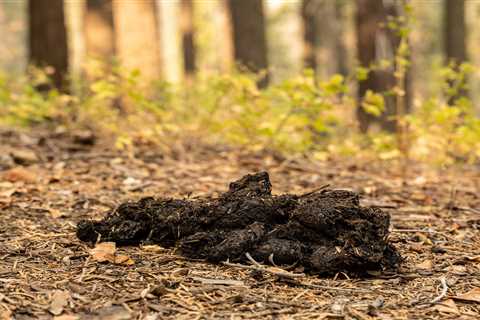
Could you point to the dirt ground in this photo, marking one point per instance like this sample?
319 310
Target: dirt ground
45 271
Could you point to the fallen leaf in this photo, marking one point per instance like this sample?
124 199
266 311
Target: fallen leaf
472 296
55 213
24 156
123 259
8 193
6 315
105 252
447 306
19 174
67 317
425 265
153 248
59 301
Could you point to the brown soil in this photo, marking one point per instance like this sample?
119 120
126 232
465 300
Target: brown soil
46 270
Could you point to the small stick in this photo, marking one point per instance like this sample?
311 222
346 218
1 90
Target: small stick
317 286
266 270
321 188
442 294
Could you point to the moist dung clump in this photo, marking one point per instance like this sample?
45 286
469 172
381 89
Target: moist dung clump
325 231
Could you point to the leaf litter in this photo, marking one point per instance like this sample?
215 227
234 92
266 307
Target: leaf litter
40 252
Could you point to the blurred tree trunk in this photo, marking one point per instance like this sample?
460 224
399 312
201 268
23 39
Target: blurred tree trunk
226 46
375 42
99 31
48 39
309 12
340 46
137 36
455 47
454 35
323 35
187 28
249 39
368 17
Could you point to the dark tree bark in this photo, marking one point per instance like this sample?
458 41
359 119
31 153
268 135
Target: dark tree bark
455 31
99 30
323 37
368 17
454 37
376 42
340 46
186 22
249 39
309 20
48 39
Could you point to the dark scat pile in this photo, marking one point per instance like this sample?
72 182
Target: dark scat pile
325 231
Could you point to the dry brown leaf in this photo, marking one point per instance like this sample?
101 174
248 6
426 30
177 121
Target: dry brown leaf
123 259
55 213
19 174
472 296
8 193
425 265
153 248
6 315
59 301
105 252
67 317
447 306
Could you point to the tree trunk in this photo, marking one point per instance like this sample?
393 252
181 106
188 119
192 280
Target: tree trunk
455 30
137 37
340 46
376 42
48 39
249 39
99 31
309 20
454 36
187 28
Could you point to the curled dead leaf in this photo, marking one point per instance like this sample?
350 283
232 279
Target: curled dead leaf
105 252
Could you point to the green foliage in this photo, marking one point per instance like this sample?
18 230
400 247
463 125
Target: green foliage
21 103
297 115
373 103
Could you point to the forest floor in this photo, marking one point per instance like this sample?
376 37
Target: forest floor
49 182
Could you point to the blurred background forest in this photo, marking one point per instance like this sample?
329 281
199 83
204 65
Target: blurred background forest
325 78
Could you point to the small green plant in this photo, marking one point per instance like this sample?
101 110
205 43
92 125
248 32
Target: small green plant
297 115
